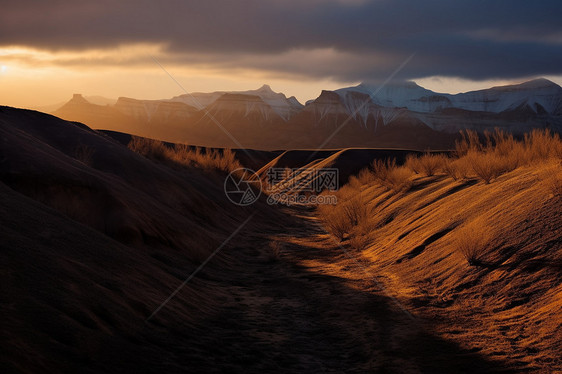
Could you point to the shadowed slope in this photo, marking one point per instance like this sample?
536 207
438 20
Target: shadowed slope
101 183
78 283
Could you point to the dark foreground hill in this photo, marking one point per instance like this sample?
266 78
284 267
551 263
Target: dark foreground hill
99 244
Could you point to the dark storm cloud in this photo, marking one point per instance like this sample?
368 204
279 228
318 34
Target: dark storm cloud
470 39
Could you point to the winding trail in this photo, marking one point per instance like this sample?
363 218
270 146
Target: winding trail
304 306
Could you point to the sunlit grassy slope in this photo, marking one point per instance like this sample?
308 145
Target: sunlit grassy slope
482 248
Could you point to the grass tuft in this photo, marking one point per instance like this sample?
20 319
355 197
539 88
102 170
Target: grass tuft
387 174
473 241
349 212
430 164
185 155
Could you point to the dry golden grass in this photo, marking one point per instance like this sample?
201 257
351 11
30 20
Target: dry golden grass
486 166
205 159
555 184
552 176
470 142
486 158
500 153
473 241
427 164
542 145
458 169
365 177
413 163
337 224
358 242
488 251
349 212
185 155
387 174
399 179
355 210
149 148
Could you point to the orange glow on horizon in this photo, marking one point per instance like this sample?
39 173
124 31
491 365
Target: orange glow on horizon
31 78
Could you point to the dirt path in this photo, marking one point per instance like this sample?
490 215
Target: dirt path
308 307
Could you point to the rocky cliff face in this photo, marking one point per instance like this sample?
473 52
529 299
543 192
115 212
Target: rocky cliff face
399 114
540 95
154 110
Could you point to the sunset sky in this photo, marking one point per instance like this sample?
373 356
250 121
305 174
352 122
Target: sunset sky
51 49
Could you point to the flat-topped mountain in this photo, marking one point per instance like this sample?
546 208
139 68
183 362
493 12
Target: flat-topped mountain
398 114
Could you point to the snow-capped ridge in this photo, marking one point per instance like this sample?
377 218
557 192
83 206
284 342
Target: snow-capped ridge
537 93
533 84
401 94
284 107
534 94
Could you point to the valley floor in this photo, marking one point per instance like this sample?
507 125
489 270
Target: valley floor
310 305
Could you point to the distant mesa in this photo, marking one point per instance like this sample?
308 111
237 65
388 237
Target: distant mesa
78 98
399 114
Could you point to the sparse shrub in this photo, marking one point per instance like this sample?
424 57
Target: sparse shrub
381 169
542 145
337 225
470 142
487 166
557 149
430 164
354 182
227 161
413 163
457 169
450 169
149 148
184 155
387 174
399 179
501 153
349 212
473 241
502 143
365 176
335 221
355 210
